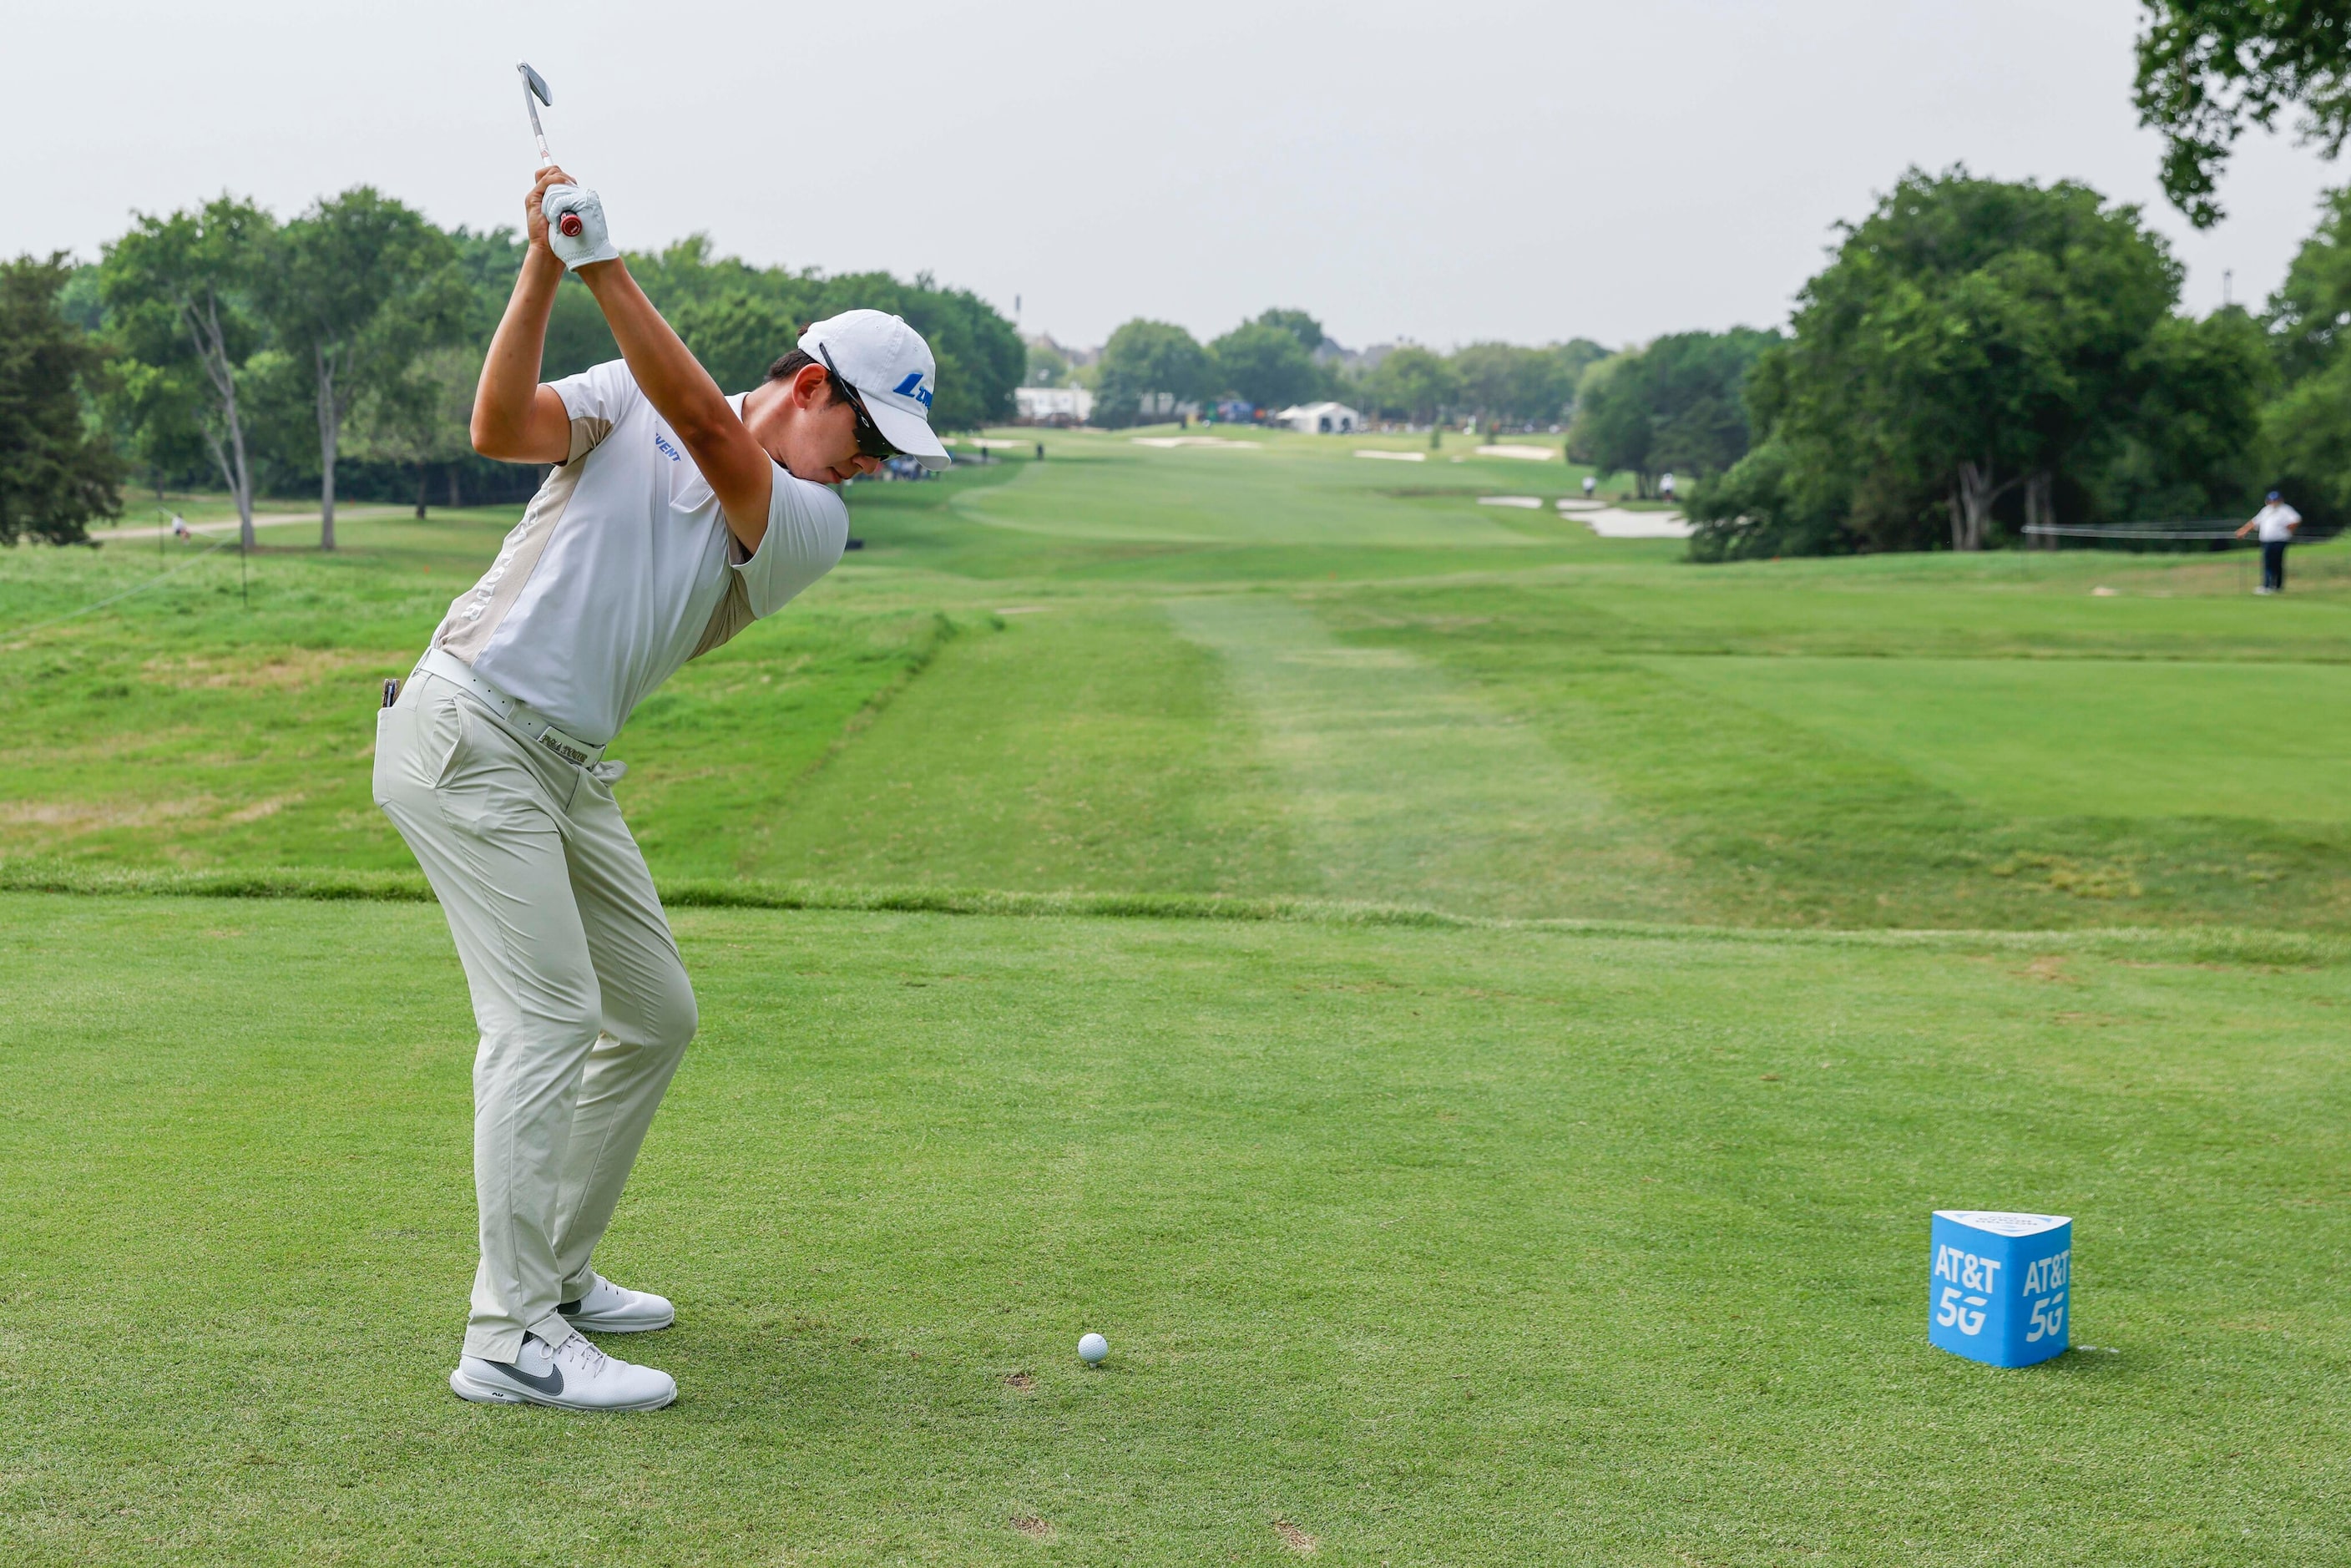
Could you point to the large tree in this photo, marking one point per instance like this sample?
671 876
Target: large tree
1675 406
1981 355
2309 427
1298 324
1145 360
1413 383
180 295
2192 445
2209 68
357 288
1970 337
1267 366
737 336
420 419
57 472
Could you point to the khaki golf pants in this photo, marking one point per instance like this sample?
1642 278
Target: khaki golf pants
583 1005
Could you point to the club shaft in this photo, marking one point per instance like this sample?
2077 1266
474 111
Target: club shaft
545 157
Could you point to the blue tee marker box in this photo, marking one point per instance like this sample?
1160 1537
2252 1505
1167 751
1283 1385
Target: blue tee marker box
1999 1285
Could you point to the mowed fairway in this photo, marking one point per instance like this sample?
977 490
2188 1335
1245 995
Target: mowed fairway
1275 670
1548 1183
1432 1246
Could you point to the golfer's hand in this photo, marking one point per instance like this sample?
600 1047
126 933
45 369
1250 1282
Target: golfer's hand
534 210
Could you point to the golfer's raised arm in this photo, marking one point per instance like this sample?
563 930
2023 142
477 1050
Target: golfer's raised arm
738 469
516 419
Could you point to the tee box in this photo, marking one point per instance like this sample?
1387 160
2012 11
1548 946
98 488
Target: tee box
1998 1285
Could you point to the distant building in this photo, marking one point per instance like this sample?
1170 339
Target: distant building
1052 405
1354 361
1076 357
1322 419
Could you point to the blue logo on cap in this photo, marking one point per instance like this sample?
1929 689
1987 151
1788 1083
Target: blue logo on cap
913 387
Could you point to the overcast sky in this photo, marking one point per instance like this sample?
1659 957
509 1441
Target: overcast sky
1522 170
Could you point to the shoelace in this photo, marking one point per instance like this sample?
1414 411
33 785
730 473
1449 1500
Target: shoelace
591 1360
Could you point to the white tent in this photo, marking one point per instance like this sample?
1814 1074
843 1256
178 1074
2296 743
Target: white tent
1321 419
1054 405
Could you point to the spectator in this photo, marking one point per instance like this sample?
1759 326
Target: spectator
2276 521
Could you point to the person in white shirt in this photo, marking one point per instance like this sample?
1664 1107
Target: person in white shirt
673 517
1666 487
2275 523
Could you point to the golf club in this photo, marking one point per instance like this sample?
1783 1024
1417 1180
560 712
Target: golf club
534 93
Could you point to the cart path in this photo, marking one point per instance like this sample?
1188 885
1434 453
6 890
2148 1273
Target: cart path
260 521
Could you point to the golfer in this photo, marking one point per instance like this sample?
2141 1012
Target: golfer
2276 522
673 517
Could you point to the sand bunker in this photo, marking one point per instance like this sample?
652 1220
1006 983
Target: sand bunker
1194 441
1530 502
1393 457
1524 453
1614 523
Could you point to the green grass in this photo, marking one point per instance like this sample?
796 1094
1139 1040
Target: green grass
2143 738
1530 1162
1288 671
1437 1246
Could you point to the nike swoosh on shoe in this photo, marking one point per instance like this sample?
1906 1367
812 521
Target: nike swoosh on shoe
549 1382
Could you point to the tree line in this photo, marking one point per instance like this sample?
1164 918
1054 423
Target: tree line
1278 359
218 347
1980 357
1674 405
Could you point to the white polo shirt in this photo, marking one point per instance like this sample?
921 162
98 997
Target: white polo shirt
2276 521
622 567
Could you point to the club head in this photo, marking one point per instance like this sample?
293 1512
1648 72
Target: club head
534 84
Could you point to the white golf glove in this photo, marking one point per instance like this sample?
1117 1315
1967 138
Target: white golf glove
575 226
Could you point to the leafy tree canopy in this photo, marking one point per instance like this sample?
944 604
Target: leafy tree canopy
57 472
2209 68
1149 357
1412 383
1048 366
1298 324
1978 346
1673 407
181 297
1265 365
354 290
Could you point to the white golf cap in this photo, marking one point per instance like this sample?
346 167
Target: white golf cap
891 369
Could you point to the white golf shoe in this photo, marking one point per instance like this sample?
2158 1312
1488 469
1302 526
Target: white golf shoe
574 1376
607 1308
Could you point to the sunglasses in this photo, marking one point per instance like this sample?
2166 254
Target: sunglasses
871 442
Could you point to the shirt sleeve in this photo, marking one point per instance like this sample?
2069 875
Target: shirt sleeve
808 528
596 399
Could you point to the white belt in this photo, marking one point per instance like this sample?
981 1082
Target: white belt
518 715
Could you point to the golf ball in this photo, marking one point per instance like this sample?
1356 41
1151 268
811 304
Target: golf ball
1092 1348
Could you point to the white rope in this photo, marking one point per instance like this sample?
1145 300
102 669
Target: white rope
2120 531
